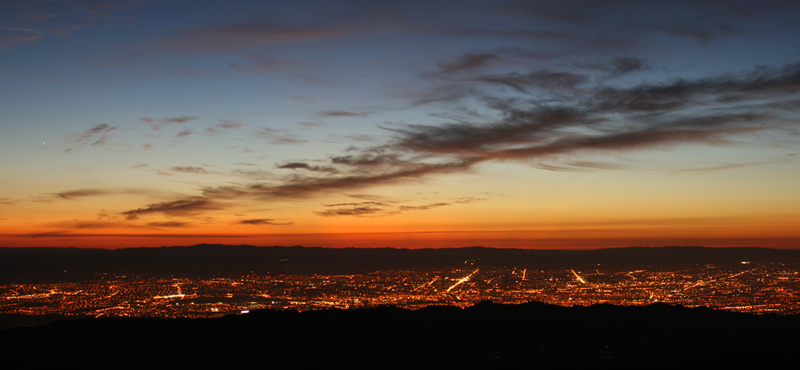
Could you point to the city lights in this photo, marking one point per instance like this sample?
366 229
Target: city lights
752 288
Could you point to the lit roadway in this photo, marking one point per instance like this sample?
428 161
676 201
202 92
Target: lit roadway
701 282
463 280
580 279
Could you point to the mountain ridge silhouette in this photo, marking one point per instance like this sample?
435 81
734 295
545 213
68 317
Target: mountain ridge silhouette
38 265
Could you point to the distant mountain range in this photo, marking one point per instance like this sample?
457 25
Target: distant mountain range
484 336
32 265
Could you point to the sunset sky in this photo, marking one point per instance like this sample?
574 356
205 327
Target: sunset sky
530 124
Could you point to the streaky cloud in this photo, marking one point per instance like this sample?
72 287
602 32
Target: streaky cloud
468 62
542 79
306 166
305 186
99 134
168 224
72 194
761 83
548 116
240 35
263 221
159 123
573 123
77 194
189 206
223 125
256 174
355 211
702 34
377 209
423 207
514 33
110 224
10 36
189 169
68 234
28 22
274 136
341 113
618 66
381 204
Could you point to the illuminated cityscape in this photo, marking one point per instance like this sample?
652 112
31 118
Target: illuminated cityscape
748 287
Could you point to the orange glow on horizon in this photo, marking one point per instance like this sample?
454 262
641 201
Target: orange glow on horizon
408 240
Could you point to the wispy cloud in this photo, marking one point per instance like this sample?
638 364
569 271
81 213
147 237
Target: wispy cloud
518 33
224 125
10 36
618 66
30 21
86 224
189 206
356 211
257 63
423 207
571 121
189 169
184 133
70 234
99 134
159 224
341 113
358 204
304 186
71 225
700 21
468 62
722 166
306 166
704 34
541 79
471 62
240 35
550 118
274 136
465 200
255 174
159 123
380 209
79 193
262 221
72 195
574 119
105 8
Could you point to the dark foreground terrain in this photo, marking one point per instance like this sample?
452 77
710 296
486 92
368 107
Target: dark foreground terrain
484 336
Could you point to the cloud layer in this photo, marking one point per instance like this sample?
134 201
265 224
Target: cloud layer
335 98
556 116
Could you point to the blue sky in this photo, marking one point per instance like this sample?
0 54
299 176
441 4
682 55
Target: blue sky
167 118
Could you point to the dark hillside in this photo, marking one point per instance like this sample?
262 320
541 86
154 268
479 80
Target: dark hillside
485 336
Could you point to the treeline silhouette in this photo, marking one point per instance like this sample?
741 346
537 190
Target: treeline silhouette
42 265
484 336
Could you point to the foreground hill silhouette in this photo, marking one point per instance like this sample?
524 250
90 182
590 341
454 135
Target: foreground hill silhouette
485 336
39 265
